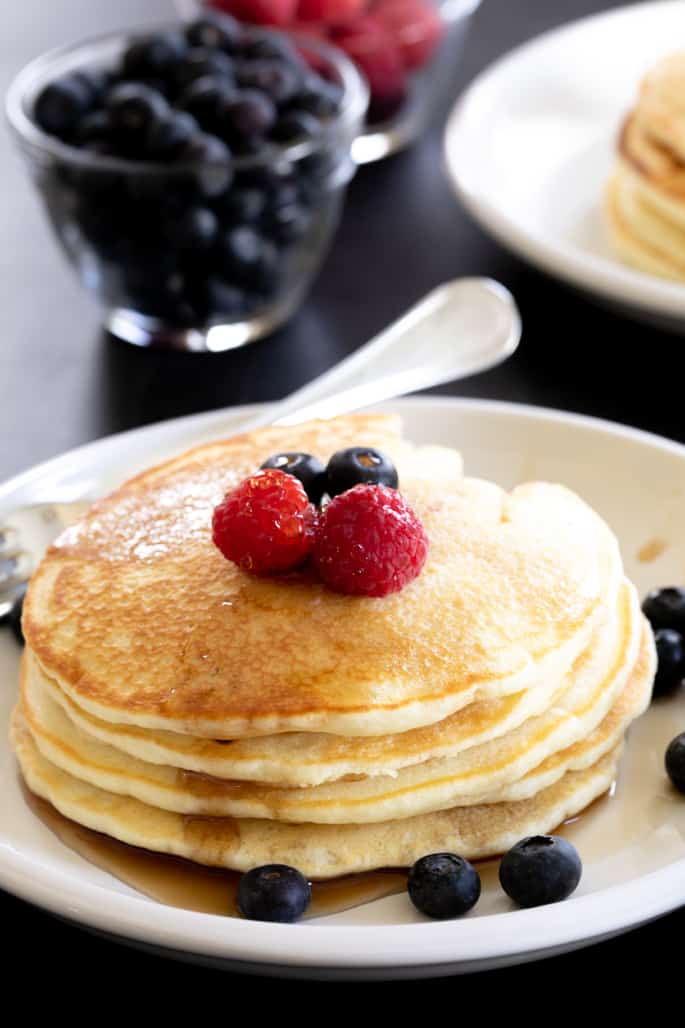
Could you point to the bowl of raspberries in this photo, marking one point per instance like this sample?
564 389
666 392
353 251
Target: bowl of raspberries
194 175
407 50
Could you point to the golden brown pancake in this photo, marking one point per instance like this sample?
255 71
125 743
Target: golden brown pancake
139 619
319 851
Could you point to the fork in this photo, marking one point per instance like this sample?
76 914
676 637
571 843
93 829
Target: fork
463 327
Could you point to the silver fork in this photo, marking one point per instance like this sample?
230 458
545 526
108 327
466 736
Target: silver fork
460 328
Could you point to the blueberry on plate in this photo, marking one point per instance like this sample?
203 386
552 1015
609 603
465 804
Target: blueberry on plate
443 885
215 31
670 651
167 139
61 104
675 761
308 469
153 56
665 608
274 892
359 465
540 869
250 113
13 619
134 109
296 126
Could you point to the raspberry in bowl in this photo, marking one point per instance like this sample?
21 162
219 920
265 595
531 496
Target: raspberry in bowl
407 50
194 175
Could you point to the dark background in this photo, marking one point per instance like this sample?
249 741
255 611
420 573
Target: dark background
63 382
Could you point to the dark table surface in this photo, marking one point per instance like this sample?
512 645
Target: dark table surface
63 382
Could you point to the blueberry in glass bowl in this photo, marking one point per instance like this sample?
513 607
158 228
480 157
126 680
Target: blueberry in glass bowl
187 179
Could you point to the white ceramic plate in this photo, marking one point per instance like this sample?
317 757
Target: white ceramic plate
633 844
530 144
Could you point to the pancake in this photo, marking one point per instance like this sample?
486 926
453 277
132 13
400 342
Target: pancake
644 203
140 621
641 234
319 851
585 711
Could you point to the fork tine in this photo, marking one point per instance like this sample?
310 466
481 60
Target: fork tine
14 570
9 541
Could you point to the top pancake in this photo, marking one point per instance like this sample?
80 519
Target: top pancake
140 620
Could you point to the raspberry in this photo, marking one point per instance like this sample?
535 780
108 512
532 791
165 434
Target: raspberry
369 542
265 524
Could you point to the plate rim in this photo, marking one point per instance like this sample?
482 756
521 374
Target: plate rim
472 942
598 275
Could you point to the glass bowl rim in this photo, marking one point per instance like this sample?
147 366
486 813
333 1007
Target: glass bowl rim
28 132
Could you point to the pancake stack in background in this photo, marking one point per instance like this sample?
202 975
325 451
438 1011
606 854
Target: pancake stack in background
174 702
645 197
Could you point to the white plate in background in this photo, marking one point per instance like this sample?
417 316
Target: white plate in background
530 145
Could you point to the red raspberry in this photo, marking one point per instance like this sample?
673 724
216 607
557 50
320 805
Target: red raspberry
416 27
370 542
265 524
329 10
262 12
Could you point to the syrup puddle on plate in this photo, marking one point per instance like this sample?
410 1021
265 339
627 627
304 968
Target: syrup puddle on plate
181 883
206 890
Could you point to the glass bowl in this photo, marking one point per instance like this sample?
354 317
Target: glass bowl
117 219
427 87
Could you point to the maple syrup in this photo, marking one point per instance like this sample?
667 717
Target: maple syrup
190 886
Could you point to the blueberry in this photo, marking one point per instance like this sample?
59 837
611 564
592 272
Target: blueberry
249 260
242 205
358 464
200 62
665 608
277 79
194 229
134 109
153 56
309 470
93 127
273 892
288 223
207 99
319 97
271 47
296 126
223 299
216 173
443 885
215 31
540 869
168 138
250 113
670 651
96 81
14 616
675 761
60 104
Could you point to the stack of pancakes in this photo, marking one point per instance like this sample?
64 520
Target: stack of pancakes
645 198
174 702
